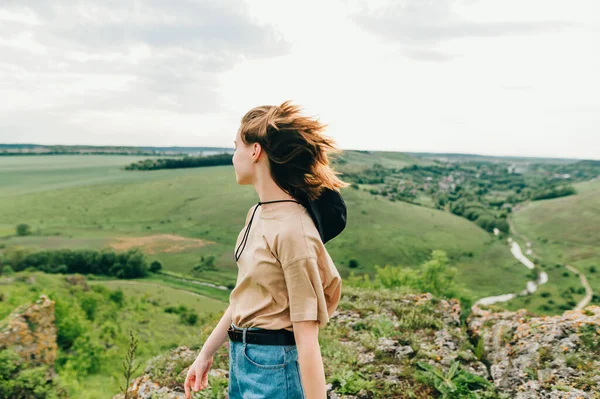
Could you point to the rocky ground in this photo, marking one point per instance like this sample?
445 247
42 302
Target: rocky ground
387 344
382 342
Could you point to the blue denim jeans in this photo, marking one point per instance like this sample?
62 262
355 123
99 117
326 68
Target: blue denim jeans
263 371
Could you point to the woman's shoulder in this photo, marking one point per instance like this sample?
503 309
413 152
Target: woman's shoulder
294 237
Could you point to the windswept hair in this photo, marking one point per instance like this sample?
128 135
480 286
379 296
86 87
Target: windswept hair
296 147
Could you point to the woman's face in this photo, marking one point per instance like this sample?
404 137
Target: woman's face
242 161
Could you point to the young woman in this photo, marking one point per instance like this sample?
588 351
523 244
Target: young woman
287 285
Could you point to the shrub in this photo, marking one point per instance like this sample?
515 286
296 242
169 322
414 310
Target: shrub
19 380
176 309
23 229
117 296
89 305
155 266
206 264
7 270
434 276
69 324
189 318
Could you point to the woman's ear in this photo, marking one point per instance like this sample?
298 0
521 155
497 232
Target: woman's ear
257 151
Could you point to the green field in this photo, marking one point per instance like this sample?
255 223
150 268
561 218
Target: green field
177 216
27 174
564 231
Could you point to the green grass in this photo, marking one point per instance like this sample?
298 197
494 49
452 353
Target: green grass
565 231
92 203
143 313
28 174
493 271
165 295
207 204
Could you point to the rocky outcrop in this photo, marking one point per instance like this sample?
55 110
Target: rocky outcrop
30 331
388 337
541 356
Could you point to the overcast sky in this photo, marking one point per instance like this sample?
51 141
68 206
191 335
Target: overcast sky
495 77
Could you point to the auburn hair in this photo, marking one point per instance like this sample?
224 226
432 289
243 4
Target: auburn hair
296 148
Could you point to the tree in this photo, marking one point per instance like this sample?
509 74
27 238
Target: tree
23 229
155 266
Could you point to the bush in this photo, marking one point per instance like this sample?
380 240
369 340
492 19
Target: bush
434 276
117 296
89 305
85 357
176 309
155 266
19 380
189 318
23 229
206 264
69 324
7 270
186 316
353 263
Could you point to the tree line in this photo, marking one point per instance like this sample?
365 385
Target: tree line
185 162
127 265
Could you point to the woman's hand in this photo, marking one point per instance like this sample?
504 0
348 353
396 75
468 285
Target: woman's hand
197 375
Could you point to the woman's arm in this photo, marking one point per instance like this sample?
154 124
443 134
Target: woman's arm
218 337
197 375
306 334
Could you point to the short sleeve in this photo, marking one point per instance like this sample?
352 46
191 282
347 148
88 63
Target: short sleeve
313 294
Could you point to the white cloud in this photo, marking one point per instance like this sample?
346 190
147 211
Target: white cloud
506 78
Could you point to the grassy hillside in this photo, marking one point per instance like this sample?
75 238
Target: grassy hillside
179 216
565 231
26 174
93 328
353 161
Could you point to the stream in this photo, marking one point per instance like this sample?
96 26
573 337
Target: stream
530 287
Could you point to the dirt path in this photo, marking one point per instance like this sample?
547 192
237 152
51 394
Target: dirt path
588 290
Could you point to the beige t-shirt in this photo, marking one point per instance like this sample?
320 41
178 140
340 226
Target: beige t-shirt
285 273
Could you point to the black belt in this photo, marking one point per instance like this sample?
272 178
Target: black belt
263 336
